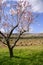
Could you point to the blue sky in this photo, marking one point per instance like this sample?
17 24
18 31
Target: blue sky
37 26
37 8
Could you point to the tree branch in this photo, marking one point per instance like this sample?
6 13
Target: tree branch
18 38
12 31
2 34
3 42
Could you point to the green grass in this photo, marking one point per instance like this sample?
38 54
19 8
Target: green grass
30 55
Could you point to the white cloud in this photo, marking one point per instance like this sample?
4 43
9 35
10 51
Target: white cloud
2 30
37 5
31 29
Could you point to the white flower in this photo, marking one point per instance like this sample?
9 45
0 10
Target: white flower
12 11
3 1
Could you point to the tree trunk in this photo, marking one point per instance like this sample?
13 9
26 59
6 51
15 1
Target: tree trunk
11 52
10 49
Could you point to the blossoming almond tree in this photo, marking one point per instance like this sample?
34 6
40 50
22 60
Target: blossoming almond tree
14 16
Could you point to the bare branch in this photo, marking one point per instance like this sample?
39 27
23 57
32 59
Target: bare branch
2 34
12 31
3 42
18 38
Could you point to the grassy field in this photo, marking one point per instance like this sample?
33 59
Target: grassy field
24 55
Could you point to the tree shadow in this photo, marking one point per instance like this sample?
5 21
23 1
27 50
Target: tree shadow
32 59
19 57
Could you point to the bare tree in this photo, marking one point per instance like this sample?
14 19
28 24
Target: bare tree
14 17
